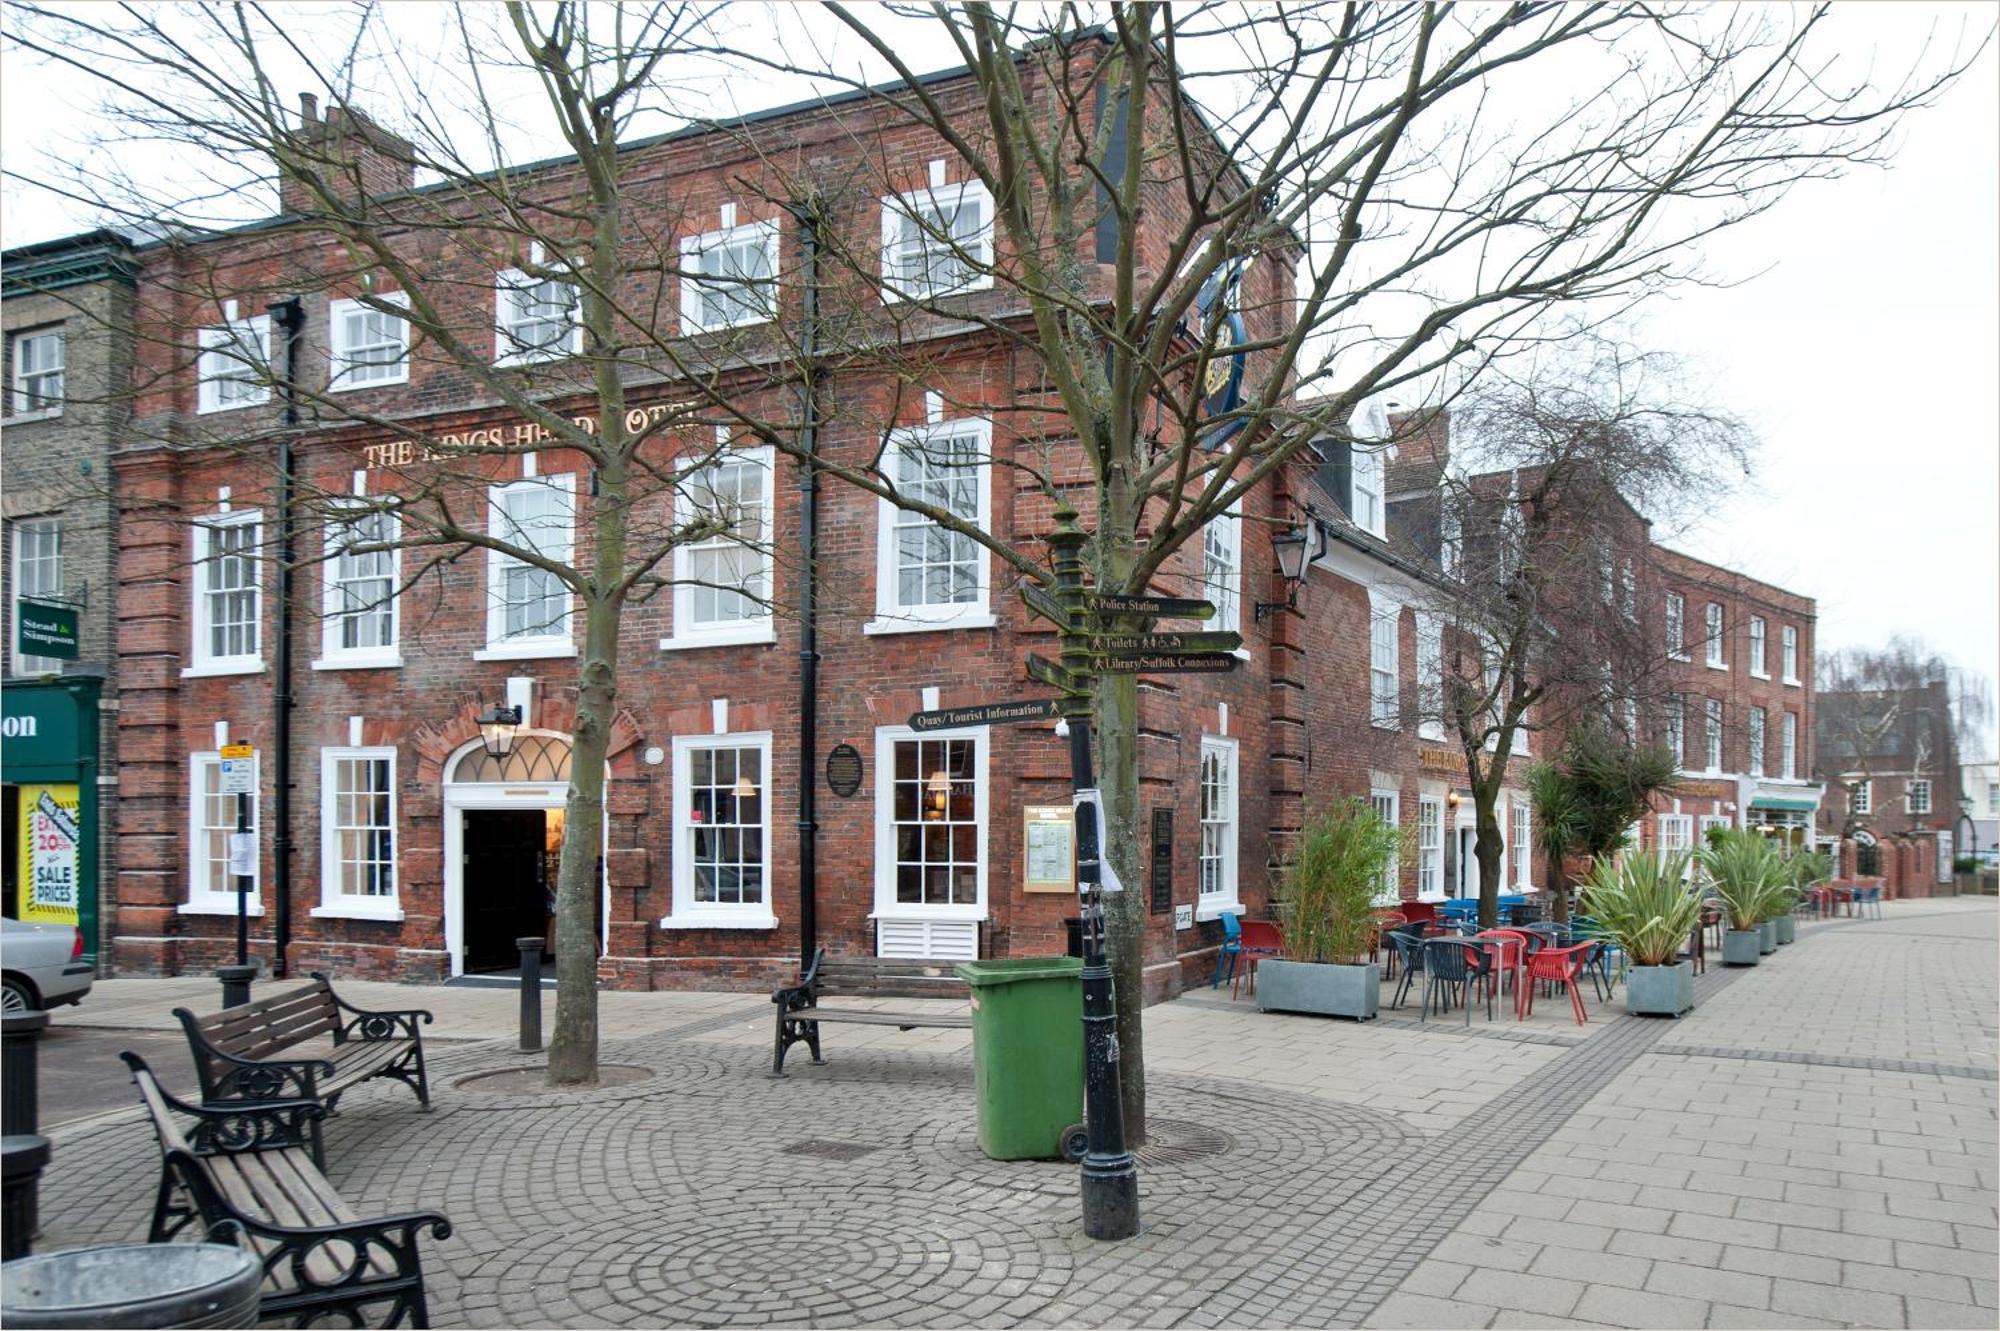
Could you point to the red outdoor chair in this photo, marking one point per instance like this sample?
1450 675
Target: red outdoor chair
1555 965
1420 911
1261 938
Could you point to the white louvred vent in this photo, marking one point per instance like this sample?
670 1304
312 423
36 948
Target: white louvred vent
948 940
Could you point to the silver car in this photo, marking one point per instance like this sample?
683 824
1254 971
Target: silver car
41 965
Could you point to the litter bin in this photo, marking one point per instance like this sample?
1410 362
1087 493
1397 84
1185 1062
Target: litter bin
1027 1055
141 1285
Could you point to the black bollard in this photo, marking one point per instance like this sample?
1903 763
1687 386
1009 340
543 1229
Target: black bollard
25 1151
235 983
531 993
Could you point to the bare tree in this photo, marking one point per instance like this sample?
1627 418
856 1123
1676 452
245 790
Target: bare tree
1543 619
1201 216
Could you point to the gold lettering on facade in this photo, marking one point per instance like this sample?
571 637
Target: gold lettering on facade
521 434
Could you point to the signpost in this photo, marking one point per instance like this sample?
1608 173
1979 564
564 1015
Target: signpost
1167 663
239 778
984 714
1160 607
1109 643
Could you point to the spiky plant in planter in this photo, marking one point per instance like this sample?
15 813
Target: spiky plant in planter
1747 876
1803 870
1643 901
1343 852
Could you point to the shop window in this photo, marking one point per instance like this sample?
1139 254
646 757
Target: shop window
358 833
722 833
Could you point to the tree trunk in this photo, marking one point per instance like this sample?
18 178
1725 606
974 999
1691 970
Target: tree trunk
1487 849
573 1045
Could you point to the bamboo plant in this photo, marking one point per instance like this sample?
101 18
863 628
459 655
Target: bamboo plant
1343 853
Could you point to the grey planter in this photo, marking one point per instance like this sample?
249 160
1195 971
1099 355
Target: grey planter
1660 991
1327 991
1788 929
1739 947
1767 937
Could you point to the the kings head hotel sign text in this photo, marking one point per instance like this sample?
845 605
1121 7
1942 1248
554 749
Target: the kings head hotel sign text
520 434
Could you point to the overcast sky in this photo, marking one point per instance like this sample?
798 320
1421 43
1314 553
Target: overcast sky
1865 349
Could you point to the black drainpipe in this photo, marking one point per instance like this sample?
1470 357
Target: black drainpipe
290 316
808 215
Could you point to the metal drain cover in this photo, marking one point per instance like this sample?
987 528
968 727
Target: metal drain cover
1175 1140
829 1150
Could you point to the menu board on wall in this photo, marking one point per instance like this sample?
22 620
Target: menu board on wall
1048 851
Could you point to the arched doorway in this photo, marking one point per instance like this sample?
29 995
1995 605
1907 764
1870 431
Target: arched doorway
503 826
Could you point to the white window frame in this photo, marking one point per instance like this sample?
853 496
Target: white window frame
1759 635
334 903
344 373
214 355
1229 899
1676 627
1388 806
1788 746
896 208
1430 675
1861 799
1708 820
1790 654
892 617
1712 734
201 660
1676 726
694 249
1430 852
687 912
20 375
1385 658
1522 845
1715 624
758 627
1754 725
1917 786
29 664
1222 538
511 350
554 643
1367 471
886 905
333 655
204 897
1676 832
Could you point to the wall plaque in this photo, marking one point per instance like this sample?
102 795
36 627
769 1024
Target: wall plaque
843 770
1162 880
1048 848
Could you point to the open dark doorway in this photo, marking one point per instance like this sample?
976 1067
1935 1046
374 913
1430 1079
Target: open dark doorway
508 881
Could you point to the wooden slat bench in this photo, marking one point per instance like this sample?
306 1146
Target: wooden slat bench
800 1013
245 1174
234 1049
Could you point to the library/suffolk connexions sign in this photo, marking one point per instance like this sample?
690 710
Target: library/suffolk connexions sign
514 434
41 629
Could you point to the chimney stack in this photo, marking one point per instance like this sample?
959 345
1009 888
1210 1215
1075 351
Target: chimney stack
353 157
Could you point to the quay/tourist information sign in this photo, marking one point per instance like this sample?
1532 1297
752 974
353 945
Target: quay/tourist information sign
1161 607
1112 644
985 714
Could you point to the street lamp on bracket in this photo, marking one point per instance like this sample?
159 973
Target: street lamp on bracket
497 725
1290 546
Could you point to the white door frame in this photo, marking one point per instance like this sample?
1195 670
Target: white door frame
461 796
1466 829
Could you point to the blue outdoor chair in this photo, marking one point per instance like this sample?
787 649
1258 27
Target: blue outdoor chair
1232 948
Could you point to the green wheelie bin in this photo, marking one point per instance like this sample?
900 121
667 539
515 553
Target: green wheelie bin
1027 1055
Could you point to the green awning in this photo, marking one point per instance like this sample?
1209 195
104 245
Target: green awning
1805 806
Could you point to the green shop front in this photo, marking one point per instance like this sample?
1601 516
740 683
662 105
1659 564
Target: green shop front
49 763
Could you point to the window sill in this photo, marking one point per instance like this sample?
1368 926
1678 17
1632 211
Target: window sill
1716 665
525 651
515 359
222 668
938 914
393 661
1215 910
975 620
900 296
1760 674
216 409
216 907
29 417
719 922
763 635
1679 656
333 387
376 914
1395 727
1794 684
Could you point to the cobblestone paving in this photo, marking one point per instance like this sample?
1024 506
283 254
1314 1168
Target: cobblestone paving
1301 1172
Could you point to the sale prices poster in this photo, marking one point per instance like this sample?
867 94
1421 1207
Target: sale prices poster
51 847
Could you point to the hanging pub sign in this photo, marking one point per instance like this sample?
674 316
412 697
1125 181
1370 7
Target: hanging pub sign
41 629
843 770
